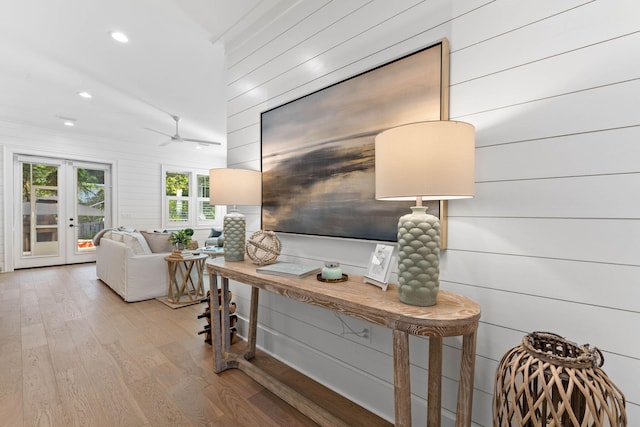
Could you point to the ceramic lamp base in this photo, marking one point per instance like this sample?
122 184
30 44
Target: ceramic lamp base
418 257
234 236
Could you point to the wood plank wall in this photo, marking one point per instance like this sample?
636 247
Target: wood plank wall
550 242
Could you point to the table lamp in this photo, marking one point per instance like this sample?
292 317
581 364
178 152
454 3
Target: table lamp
235 187
423 161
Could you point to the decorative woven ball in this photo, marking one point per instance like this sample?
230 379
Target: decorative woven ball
263 247
550 381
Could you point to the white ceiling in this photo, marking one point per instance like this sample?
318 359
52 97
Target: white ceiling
173 64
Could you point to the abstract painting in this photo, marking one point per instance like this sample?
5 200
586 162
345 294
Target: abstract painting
318 150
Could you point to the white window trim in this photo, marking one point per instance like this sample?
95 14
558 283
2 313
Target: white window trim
193 220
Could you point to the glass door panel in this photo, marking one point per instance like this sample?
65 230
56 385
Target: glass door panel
46 225
64 205
89 208
39 238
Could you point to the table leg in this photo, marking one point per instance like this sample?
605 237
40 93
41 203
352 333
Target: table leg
174 289
200 267
465 387
180 268
434 397
253 324
188 280
401 378
171 280
224 315
216 327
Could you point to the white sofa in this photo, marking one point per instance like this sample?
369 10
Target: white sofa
126 262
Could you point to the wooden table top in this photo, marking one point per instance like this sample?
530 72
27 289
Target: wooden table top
452 315
189 258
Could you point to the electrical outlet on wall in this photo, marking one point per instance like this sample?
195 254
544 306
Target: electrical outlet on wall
355 330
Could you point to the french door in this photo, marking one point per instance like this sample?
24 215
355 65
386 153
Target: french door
62 205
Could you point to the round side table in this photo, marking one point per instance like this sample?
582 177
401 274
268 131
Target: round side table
181 281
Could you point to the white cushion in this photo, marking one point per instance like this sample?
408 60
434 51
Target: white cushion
137 243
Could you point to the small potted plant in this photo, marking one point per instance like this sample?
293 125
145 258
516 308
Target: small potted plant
181 238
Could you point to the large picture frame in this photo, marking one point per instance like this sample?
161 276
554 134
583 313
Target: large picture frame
318 150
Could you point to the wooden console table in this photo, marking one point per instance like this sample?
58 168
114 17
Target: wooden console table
453 315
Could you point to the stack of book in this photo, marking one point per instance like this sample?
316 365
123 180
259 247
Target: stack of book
182 253
288 269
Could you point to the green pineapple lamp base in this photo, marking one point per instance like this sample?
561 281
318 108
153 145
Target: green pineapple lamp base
234 236
418 257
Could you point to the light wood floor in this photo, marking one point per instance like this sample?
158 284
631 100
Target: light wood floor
73 353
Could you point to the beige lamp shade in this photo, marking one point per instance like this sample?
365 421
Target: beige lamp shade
235 187
426 160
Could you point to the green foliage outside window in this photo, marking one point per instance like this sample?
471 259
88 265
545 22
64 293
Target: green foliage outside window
187 199
90 192
40 175
90 184
206 211
178 210
177 184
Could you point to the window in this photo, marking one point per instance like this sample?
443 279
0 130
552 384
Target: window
206 212
177 194
186 199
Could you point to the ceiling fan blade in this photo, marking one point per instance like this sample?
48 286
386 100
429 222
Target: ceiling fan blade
161 133
178 138
202 141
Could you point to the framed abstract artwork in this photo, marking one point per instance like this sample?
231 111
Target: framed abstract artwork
318 150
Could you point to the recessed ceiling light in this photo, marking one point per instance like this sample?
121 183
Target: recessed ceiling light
119 36
85 94
68 123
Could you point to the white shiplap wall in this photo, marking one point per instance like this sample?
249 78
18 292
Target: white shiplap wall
550 242
137 176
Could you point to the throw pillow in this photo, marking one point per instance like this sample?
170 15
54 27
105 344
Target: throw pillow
136 242
215 233
158 242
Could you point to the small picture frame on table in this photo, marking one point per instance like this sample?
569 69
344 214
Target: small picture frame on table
380 266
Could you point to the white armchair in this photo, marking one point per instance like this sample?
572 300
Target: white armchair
125 262
216 238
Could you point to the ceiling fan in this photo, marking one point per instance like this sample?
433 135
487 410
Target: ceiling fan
178 138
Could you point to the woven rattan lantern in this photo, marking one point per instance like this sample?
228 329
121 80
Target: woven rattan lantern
549 381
